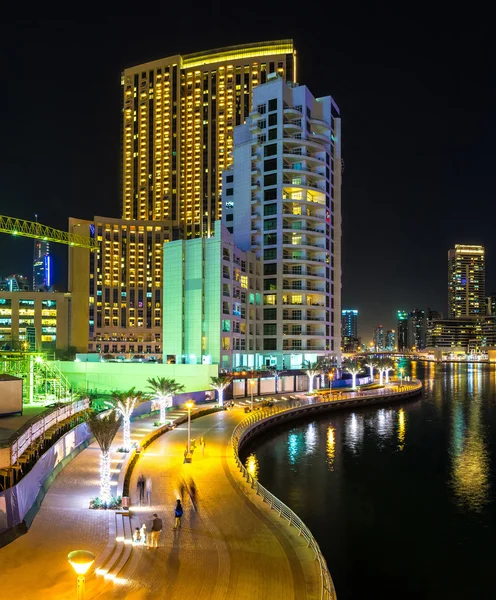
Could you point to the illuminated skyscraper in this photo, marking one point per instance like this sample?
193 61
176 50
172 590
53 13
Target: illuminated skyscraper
466 281
179 116
390 340
379 338
402 336
282 200
349 330
42 266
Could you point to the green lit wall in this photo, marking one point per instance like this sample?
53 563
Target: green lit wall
193 292
106 376
213 299
172 301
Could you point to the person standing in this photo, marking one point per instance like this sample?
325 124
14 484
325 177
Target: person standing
143 535
155 532
141 489
148 486
178 513
202 445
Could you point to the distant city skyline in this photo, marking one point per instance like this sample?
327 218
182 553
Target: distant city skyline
402 268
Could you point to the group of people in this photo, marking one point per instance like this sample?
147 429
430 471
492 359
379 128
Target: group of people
144 485
140 536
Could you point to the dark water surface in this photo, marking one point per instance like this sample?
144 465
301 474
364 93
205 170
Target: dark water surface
400 498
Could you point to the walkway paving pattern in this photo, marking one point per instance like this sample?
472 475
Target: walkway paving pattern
230 546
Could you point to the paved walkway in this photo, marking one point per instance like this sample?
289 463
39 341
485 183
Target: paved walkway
230 546
35 565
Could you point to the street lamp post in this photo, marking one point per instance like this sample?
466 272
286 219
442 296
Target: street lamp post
81 561
189 406
252 383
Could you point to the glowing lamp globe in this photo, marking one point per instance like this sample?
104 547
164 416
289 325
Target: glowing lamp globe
81 560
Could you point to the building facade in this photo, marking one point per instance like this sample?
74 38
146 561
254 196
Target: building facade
379 338
117 289
390 340
402 331
466 281
349 330
42 266
416 330
34 321
491 305
469 335
15 283
213 303
282 199
179 115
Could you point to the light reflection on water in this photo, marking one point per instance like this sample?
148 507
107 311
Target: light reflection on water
470 459
415 476
331 447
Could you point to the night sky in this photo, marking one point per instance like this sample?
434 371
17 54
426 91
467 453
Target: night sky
417 97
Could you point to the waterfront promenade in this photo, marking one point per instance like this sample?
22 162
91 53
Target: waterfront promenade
231 546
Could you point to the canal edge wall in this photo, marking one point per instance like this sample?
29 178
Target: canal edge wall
256 423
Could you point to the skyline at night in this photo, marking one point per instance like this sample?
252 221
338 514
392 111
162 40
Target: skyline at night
416 132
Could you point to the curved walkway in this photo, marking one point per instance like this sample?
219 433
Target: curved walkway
230 547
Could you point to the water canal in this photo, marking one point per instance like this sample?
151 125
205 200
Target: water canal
400 497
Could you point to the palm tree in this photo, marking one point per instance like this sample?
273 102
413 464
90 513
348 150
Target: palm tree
388 366
164 389
312 369
381 368
326 363
352 366
220 383
125 403
104 429
371 364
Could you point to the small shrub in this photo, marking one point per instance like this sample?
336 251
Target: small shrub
114 504
157 423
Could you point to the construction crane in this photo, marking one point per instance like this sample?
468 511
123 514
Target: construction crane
43 232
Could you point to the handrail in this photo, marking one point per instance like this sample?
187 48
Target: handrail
38 425
328 591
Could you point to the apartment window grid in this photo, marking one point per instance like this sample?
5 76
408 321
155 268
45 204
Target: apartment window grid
148 121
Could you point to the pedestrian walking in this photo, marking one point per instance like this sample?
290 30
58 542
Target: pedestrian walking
192 493
155 532
202 445
137 536
178 513
148 487
141 489
182 488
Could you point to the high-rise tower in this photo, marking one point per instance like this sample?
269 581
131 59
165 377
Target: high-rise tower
282 199
42 266
179 116
466 281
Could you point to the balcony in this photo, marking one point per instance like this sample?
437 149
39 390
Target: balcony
321 123
293 111
321 137
254 127
293 182
255 171
255 185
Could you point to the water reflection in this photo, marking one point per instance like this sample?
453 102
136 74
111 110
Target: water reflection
252 465
294 447
354 430
331 447
401 429
311 439
470 467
